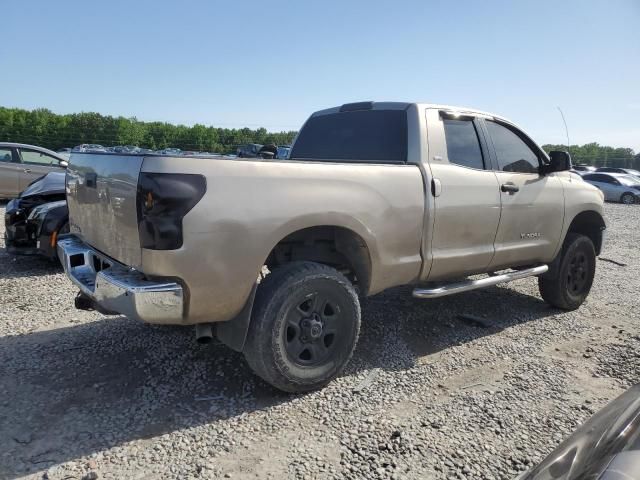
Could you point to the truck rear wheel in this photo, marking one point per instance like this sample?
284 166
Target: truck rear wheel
304 328
569 284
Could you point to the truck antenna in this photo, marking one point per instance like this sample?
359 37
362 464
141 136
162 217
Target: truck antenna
566 129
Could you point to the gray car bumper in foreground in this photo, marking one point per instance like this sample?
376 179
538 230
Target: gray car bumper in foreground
116 288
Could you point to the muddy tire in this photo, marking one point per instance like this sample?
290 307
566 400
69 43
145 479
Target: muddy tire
567 285
304 327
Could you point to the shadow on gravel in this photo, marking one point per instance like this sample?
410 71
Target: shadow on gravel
18 266
73 391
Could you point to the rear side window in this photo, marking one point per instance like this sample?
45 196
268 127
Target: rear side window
359 136
596 177
514 155
463 146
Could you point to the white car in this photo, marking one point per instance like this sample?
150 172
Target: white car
617 187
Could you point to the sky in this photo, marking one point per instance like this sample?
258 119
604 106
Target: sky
272 63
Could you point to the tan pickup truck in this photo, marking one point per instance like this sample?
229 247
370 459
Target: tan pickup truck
373 195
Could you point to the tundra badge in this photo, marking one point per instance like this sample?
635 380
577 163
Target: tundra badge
530 235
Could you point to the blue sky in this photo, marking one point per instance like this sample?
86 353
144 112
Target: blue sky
272 63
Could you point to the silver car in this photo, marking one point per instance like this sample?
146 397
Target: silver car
617 187
22 164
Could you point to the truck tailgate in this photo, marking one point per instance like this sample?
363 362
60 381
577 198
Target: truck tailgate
101 195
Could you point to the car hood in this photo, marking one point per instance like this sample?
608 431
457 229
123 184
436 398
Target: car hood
51 183
585 454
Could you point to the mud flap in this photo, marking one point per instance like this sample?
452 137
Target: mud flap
233 333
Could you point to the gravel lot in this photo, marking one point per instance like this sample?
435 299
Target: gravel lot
426 396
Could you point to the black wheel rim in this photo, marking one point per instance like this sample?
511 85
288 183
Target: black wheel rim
628 199
311 333
578 274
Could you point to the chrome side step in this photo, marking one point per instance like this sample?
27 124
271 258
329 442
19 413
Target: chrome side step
459 287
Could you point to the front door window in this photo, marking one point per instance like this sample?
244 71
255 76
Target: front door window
513 154
33 157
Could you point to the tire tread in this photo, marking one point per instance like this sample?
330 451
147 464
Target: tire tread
551 285
273 289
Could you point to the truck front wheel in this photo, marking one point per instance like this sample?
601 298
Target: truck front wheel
568 285
304 328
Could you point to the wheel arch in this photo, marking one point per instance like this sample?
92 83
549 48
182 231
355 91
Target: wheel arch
591 224
337 246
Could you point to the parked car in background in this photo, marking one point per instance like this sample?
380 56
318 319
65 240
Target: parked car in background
122 149
616 187
283 152
37 216
89 147
170 151
582 169
22 164
605 447
412 194
627 171
250 150
268 151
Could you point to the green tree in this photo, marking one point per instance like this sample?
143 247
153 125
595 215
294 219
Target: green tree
45 128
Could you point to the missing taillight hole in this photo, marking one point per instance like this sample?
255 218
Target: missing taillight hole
99 265
76 260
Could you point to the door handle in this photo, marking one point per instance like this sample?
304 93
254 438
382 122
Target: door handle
27 170
436 187
509 188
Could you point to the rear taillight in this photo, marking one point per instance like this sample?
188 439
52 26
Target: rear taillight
163 200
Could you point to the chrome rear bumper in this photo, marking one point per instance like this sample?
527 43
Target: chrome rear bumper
116 288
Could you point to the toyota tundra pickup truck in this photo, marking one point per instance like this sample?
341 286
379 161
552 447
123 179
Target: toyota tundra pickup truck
272 256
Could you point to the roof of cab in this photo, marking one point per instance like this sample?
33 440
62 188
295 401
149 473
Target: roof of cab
370 105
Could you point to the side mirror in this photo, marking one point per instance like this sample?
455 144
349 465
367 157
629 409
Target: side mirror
63 163
560 162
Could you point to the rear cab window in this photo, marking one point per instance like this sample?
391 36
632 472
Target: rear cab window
374 136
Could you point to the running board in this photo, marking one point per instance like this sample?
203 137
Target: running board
459 287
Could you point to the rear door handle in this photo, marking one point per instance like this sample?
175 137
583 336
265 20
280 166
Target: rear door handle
436 187
509 187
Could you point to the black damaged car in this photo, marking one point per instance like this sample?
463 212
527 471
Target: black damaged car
34 220
605 447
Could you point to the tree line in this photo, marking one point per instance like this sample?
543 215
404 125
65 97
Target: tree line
600 155
50 130
47 129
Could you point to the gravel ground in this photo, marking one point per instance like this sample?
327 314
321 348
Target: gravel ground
426 396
